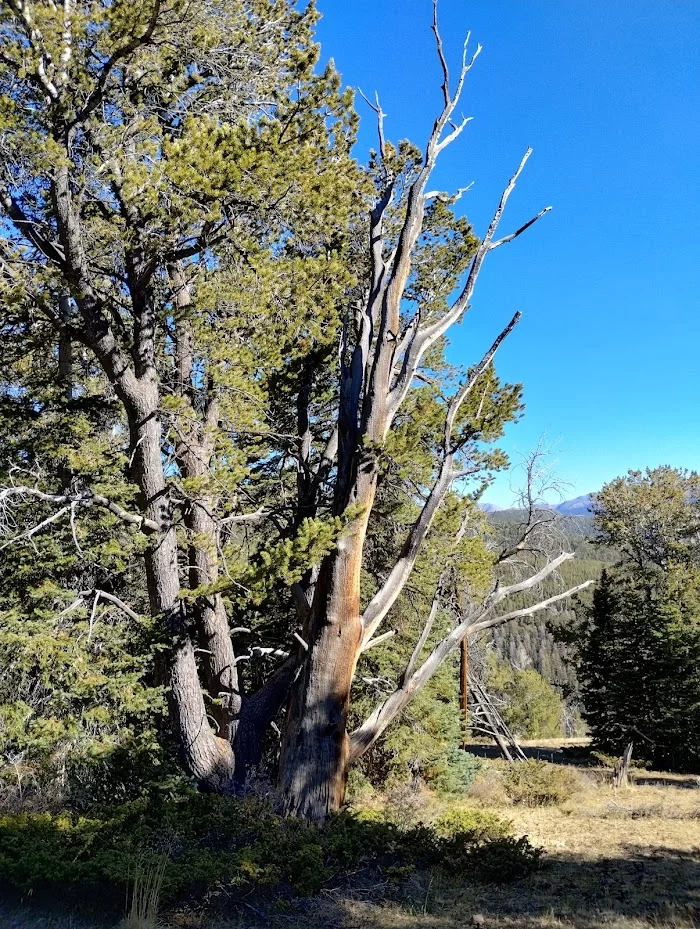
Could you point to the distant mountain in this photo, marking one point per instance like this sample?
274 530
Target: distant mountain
579 506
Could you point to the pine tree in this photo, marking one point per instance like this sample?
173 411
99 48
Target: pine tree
641 646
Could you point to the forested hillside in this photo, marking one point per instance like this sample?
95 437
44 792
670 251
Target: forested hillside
541 642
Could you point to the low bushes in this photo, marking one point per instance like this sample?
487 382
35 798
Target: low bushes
492 852
536 783
208 842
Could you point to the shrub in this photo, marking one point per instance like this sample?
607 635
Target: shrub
203 842
404 805
481 826
481 844
537 783
487 790
455 771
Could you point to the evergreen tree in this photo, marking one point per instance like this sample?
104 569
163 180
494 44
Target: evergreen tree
528 703
640 650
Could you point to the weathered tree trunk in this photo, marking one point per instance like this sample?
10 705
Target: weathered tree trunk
208 758
315 755
65 348
195 453
621 771
213 636
464 688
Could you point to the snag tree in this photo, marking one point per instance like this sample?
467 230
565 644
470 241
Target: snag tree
384 349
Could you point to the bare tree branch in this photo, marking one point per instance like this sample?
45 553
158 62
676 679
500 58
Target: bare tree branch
444 197
22 10
424 337
378 640
120 603
29 534
514 235
78 498
370 730
255 517
376 107
95 602
423 638
528 610
386 596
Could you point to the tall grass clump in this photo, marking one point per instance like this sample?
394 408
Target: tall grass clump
145 894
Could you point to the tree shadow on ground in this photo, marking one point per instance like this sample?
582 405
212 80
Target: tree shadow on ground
658 887
583 757
563 756
656 779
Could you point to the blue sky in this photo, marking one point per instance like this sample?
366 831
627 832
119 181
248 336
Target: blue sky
608 95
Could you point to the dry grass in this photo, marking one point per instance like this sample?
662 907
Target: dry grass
626 859
145 896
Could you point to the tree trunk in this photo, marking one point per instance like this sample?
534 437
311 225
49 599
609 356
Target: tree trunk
195 453
218 660
464 688
208 758
65 349
213 636
621 771
315 753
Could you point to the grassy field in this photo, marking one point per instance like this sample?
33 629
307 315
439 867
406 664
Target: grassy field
620 859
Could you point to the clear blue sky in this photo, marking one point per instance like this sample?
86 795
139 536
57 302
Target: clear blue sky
608 95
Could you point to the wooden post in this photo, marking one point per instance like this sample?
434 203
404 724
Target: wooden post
464 689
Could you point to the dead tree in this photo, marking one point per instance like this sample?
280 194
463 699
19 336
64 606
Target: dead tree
621 771
464 688
378 371
488 721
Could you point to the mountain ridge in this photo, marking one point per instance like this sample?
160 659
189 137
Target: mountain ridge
577 506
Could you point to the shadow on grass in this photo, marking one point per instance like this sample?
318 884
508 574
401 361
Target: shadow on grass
662 889
580 757
583 757
656 779
659 888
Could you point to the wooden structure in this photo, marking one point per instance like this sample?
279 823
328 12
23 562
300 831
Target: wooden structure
486 719
480 714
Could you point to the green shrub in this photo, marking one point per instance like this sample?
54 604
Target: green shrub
537 783
206 842
481 845
482 826
532 707
498 861
455 771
